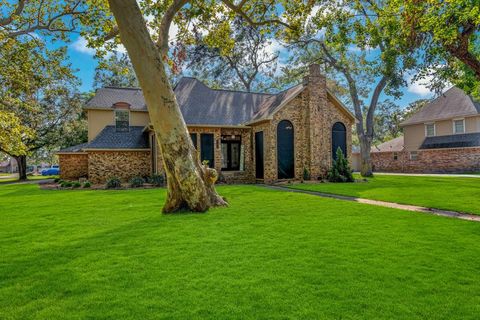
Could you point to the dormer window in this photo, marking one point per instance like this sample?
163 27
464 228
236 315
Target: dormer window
458 126
430 129
122 119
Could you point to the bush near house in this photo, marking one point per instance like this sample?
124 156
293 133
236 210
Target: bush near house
340 171
113 183
136 182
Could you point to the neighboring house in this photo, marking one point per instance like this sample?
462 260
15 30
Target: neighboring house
8 166
444 136
245 136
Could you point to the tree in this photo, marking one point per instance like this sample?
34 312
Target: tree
190 185
445 33
387 121
38 95
247 66
115 70
357 40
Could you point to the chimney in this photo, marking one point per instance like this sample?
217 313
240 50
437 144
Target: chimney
316 84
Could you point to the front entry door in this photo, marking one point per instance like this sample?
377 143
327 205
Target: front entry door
259 155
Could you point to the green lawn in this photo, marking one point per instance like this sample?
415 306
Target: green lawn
450 193
270 255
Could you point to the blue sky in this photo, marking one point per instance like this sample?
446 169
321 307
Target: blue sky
82 58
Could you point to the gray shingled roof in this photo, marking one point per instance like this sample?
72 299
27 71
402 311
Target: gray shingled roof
76 148
105 98
453 103
274 102
452 141
199 103
394 145
110 138
203 105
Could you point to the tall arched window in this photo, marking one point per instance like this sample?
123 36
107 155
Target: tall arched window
285 150
339 139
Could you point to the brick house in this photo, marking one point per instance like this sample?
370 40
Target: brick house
246 137
442 137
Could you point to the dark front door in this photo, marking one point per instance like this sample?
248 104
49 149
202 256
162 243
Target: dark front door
339 139
285 150
231 155
206 149
259 155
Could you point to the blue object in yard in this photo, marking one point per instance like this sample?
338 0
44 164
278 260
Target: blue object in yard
53 171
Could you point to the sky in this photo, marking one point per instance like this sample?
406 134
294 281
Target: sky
82 58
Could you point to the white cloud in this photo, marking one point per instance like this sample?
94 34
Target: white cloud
419 87
80 45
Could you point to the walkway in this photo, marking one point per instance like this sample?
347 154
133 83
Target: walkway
438 212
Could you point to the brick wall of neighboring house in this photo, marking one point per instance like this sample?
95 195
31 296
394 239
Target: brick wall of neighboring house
121 164
73 166
429 161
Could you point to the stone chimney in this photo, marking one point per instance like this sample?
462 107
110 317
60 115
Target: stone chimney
318 130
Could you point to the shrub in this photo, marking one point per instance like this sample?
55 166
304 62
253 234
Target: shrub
306 174
136 182
76 184
340 171
87 184
157 180
66 184
56 180
113 183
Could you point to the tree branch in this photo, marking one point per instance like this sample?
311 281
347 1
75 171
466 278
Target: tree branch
18 11
238 9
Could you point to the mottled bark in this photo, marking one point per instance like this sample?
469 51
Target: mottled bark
190 184
22 167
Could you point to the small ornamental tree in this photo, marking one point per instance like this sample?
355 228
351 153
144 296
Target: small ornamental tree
340 171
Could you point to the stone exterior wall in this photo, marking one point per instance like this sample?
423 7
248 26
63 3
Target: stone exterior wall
125 165
73 166
242 176
429 161
313 114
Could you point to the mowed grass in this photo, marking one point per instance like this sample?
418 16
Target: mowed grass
449 193
270 255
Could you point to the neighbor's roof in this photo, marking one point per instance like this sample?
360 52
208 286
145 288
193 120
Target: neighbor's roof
394 145
202 105
76 148
453 103
452 141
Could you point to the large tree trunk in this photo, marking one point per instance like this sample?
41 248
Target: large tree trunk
365 158
22 167
190 184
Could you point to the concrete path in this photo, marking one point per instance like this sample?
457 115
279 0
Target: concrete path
442 175
438 212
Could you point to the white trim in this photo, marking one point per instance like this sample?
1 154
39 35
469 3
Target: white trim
453 125
434 129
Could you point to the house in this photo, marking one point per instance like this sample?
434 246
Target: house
9 165
247 137
442 137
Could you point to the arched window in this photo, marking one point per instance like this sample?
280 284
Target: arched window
285 150
339 139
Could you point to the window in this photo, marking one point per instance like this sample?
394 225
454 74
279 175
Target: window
231 151
207 149
193 136
122 120
395 156
413 155
459 126
430 129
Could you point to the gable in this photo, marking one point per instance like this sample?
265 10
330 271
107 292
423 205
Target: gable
453 103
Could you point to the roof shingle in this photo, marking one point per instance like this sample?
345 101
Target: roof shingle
453 103
452 141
